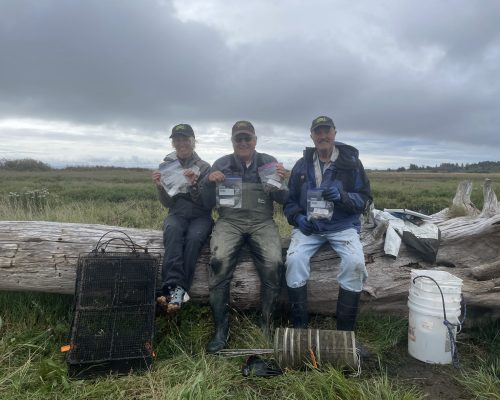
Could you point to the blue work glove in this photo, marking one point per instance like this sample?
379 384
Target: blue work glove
331 194
305 226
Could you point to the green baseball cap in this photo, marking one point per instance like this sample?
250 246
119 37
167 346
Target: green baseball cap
243 127
182 129
322 121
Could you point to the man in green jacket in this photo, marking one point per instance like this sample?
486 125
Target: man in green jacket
252 223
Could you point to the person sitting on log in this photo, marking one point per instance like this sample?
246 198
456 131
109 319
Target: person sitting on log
329 190
245 207
189 222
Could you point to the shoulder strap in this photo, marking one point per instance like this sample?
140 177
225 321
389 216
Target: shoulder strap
260 160
235 168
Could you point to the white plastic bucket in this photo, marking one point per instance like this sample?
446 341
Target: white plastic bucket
434 301
428 337
447 282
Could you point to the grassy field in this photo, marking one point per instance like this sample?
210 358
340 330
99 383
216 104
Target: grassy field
425 191
126 197
34 326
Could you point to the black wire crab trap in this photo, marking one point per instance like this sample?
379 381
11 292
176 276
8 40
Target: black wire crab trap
113 311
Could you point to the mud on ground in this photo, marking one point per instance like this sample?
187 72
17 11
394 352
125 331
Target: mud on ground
433 380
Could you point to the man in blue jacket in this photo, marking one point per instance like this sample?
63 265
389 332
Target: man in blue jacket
333 170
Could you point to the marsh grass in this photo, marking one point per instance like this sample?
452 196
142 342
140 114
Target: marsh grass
30 200
424 191
483 382
36 325
128 198
481 373
456 211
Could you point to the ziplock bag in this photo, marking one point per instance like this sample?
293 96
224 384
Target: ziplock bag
172 178
229 192
270 179
317 206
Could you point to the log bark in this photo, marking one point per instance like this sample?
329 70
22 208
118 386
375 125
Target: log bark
42 256
486 272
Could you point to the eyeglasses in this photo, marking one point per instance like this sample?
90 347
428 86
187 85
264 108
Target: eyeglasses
243 139
322 129
181 139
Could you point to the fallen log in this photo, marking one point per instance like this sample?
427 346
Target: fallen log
42 256
487 271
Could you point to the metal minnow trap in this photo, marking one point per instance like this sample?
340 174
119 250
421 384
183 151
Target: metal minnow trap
113 310
294 348
298 348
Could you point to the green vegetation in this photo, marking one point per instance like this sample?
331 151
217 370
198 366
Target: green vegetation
37 324
126 197
483 382
123 197
34 326
425 192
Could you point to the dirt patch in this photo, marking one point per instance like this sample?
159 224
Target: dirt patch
434 380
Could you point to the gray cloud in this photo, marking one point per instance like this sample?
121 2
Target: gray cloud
386 71
105 61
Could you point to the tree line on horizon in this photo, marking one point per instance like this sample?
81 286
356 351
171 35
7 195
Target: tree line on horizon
29 164
479 167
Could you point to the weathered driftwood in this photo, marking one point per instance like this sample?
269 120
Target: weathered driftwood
42 256
487 272
462 198
491 204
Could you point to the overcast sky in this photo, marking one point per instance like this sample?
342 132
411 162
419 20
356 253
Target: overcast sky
86 82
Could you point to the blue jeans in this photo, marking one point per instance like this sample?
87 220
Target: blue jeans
346 243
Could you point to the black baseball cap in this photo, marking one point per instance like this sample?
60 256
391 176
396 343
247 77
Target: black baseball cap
322 121
182 129
243 127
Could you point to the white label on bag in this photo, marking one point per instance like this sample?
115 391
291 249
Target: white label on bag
227 202
226 192
320 211
274 182
317 204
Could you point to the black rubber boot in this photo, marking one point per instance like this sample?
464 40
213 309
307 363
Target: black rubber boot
219 301
347 312
347 309
269 301
298 306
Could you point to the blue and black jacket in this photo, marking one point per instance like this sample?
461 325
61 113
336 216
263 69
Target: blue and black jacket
346 173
